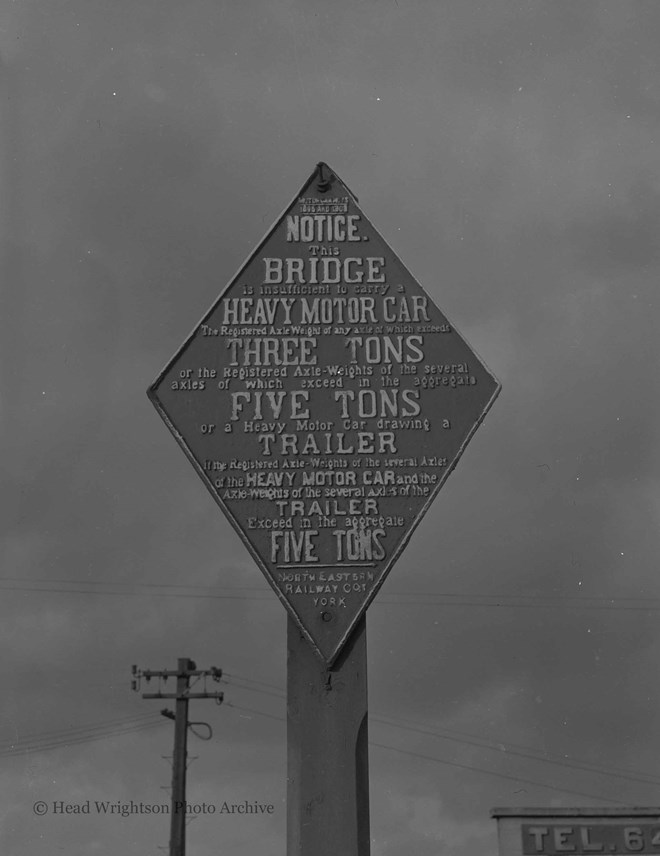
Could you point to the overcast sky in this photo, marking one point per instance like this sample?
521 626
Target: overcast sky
508 152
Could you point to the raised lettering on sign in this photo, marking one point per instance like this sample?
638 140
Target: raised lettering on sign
324 398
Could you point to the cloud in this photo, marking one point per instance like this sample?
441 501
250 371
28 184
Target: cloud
507 153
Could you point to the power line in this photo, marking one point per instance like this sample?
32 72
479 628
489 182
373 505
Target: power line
59 732
71 741
55 739
455 764
78 730
592 603
130 593
264 589
516 779
257 712
121 583
253 681
510 749
265 692
517 596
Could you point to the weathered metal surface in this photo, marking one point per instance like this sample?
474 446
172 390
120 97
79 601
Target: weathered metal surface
327 740
582 832
324 399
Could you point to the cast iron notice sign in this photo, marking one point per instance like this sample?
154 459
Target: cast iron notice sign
324 399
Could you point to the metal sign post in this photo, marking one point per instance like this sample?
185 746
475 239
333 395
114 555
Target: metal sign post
324 399
327 736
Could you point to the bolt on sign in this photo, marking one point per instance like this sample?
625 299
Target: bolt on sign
324 399
577 831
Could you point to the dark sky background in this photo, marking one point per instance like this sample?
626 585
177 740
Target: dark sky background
508 151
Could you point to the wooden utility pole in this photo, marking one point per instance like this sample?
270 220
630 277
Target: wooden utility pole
180 761
186 669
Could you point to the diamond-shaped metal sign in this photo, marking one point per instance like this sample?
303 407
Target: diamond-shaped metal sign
323 400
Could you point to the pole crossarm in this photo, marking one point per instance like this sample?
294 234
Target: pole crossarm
173 673
189 670
184 695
